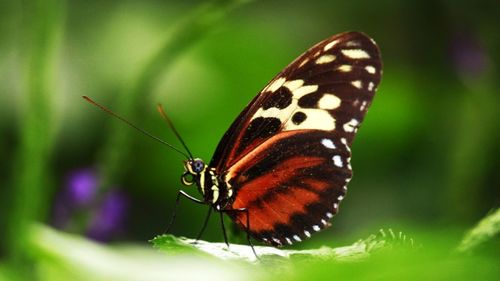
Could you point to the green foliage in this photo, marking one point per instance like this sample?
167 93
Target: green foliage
383 256
486 230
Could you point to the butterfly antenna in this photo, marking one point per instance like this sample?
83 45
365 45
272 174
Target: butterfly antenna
171 125
133 126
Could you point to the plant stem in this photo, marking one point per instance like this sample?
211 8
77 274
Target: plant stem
42 19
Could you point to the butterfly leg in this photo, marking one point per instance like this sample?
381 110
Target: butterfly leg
244 210
223 228
204 224
177 200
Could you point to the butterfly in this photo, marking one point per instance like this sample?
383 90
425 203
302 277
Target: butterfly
282 168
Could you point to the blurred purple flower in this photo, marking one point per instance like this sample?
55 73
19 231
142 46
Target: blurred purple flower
468 55
109 218
80 199
81 186
79 191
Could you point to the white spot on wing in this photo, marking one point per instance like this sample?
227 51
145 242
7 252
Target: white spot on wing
337 161
340 198
307 233
288 241
330 45
323 221
275 85
370 69
297 238
335 205
352 44
328 143
316 228
294 84
345 68
325 59
363 104
370 86
277 240
304 62
329 215
355 53
344 141
304 90
351 126
357 83
272 112
316 120
329 101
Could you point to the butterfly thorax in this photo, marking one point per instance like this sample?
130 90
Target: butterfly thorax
213 189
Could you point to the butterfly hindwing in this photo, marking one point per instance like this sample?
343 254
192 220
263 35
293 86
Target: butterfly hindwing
286 157
291 184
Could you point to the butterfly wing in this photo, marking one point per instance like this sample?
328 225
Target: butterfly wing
286 157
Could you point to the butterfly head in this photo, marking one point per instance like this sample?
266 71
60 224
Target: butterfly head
193 169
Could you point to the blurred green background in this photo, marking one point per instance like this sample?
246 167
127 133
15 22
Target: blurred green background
425 161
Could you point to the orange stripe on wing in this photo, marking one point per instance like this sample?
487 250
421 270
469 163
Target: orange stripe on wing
278 210
317 185
275 179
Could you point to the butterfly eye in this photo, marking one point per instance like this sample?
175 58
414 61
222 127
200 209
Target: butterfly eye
198 166
187 179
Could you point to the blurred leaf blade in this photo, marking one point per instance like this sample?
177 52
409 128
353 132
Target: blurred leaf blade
484 231
79 259
42 32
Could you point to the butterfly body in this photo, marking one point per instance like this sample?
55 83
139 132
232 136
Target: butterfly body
215 192
282 168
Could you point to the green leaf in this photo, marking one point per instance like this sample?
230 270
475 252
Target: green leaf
63 256
486 229
359 250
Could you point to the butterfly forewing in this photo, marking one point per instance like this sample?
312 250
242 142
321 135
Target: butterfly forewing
286 158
